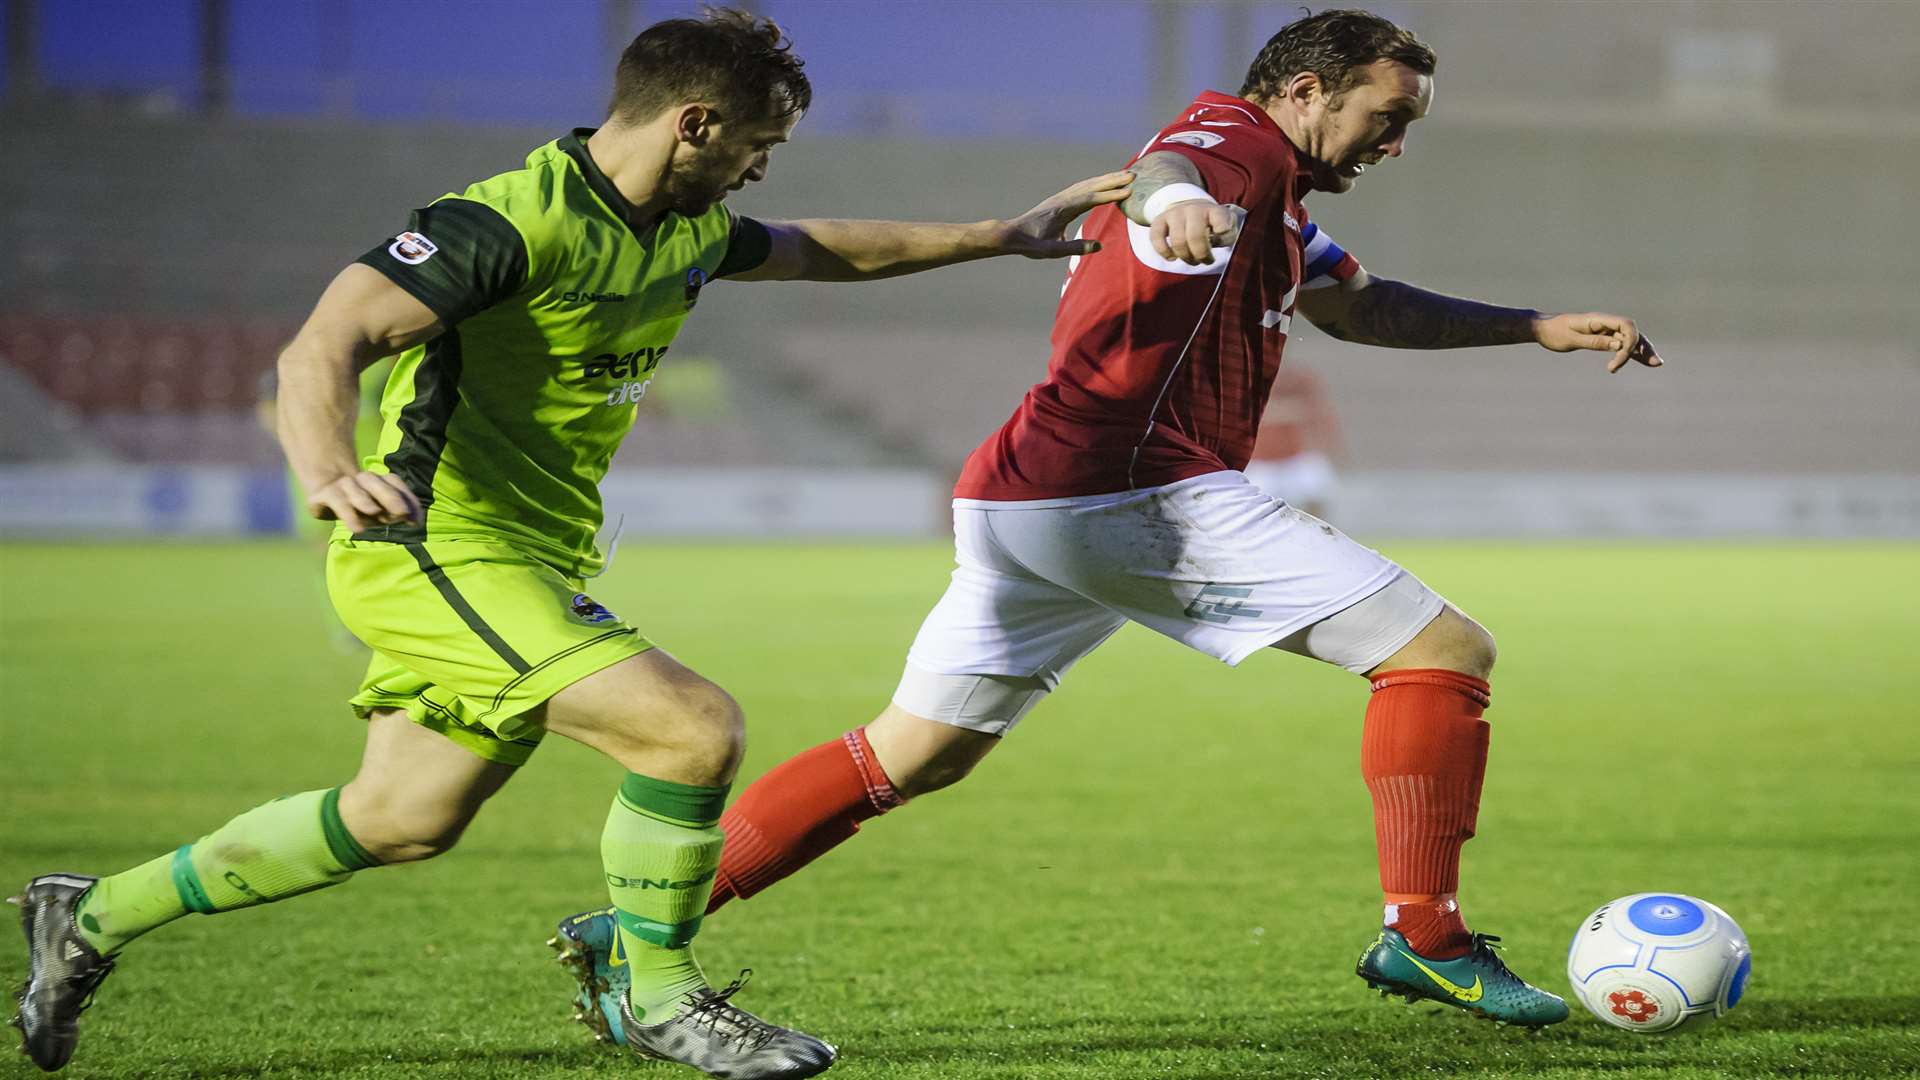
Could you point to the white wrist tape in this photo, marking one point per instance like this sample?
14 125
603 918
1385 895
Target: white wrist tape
1174 193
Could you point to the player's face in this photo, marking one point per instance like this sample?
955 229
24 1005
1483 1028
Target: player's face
733 155
1367 124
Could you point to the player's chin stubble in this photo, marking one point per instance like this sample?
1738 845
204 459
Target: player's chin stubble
1327 180
692 194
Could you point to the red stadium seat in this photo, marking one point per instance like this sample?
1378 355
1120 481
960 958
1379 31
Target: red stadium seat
114 363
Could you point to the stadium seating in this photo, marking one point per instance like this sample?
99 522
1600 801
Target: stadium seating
1734 406
153 388
170 389
1785 357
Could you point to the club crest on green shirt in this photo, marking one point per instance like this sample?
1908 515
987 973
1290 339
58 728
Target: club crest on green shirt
586 609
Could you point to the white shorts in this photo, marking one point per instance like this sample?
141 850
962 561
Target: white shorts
1212 562
1300 479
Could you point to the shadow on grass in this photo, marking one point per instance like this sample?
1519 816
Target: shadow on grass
1435 1040
1820 1014
442 1061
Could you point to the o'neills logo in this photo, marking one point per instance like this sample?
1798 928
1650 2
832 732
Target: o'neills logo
412 248
1205 140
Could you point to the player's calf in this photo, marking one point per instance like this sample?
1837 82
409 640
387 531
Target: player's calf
680 737
921 756
399 833
416 791
1423 753
817 799
802 808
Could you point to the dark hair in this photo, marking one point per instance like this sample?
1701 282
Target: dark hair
1334 45
743 65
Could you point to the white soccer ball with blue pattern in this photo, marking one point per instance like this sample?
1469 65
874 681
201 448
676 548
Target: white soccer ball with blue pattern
1649 961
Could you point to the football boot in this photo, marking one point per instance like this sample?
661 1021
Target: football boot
588 946
1477 982
63 971
710 1033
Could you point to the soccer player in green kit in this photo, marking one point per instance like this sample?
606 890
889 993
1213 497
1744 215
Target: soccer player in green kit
529 313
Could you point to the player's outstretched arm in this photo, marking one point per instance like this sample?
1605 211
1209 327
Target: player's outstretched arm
360 318
831 249
1396 315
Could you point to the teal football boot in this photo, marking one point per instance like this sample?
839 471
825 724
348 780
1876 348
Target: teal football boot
707 1031
1477 982
588 945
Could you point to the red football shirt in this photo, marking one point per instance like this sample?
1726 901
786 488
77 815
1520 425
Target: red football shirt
1160 370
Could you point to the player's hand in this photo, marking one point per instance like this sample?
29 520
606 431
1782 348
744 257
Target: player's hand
1600 332
1189 231
365 499
1040 233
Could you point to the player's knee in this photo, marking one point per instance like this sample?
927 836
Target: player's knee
1488 653
1479 650
1468 647
398 830
1451 641
706 733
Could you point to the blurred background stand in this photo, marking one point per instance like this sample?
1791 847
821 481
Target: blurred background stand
182 177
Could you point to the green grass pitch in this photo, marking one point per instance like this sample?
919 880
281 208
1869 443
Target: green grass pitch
1168 871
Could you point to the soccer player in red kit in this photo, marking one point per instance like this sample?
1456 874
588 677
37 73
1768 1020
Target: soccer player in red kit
1114 493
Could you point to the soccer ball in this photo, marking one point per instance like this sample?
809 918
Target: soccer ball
1649 961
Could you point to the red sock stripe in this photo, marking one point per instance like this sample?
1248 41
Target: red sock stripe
1477 689
748 863
880 790
1422 821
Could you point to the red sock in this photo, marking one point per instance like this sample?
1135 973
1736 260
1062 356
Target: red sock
1423 752
798 812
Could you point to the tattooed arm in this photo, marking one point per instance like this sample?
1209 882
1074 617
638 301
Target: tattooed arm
1184 222
1377 311
1396 315
1157 170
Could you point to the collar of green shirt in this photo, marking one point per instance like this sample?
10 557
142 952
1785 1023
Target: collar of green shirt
574 145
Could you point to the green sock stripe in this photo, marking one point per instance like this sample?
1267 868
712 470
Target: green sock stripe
85 924
682 804
346 850
665 935
674 821
186 882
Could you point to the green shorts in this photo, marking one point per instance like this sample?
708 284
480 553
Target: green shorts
468 635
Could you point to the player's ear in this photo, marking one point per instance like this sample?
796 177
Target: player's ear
1304 89
693 124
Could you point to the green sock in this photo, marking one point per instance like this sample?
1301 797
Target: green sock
289 846
660 851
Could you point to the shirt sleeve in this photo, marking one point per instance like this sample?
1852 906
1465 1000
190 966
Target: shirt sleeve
748 245
1216 153
458 257
1325 262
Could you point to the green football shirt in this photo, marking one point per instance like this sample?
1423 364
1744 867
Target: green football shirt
558 314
